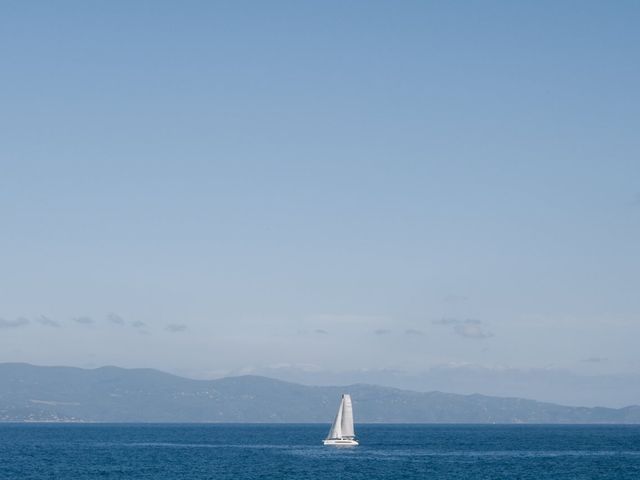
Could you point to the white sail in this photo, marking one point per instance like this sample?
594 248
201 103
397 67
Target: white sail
347 417
336 428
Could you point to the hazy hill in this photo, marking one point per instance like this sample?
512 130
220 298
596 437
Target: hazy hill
110 394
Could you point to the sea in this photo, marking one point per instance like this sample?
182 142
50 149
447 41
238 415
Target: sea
275 451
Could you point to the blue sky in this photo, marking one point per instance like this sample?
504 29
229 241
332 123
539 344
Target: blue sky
269 183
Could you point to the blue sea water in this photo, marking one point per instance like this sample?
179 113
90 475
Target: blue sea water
195 452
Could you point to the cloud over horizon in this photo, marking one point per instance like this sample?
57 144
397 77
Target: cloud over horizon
471 330
595 359
18 322
413 331
115 319
468 328
382 331
84 320
46 321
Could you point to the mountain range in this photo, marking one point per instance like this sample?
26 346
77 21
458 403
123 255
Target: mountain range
31 393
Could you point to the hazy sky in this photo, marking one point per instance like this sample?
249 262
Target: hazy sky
215 187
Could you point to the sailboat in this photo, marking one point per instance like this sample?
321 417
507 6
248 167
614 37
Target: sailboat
341 433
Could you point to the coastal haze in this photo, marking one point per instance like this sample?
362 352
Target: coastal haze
109 394
422 196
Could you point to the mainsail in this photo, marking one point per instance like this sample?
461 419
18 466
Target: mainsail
343 424
347 417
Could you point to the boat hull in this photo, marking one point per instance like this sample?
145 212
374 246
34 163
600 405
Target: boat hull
341 442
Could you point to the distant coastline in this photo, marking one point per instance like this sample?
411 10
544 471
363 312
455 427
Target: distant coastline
35 394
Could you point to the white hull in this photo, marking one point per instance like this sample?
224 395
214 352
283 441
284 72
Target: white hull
341 442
